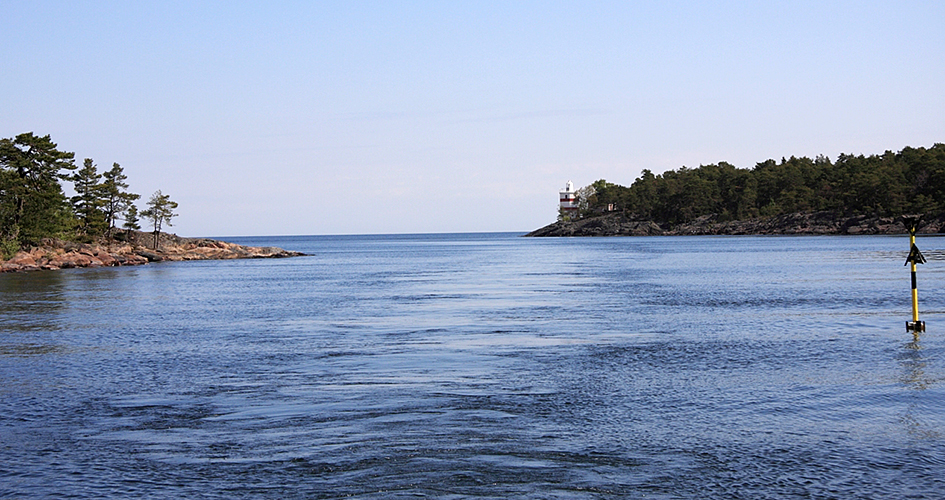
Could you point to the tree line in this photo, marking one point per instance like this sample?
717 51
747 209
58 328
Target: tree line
33 204
890 184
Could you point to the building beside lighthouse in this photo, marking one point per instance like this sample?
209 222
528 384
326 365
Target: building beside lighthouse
568 201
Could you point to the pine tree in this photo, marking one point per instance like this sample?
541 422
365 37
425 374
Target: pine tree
131 218
160 211
87 202
115 200
32 204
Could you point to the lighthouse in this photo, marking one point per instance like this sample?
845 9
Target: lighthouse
568 200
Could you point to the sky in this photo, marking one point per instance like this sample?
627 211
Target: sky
357 117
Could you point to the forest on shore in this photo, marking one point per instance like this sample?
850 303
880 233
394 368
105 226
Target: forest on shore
911 181
34 206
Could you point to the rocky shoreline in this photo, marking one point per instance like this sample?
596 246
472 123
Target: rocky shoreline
815 223
131 248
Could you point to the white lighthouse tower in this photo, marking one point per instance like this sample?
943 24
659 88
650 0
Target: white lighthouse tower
568 200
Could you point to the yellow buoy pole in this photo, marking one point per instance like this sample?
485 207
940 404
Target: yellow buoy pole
915 257
915 291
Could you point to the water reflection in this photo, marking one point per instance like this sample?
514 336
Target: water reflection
913 363
31 301
25 350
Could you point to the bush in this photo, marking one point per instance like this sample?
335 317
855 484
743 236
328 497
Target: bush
8 248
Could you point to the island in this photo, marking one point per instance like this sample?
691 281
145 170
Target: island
42 228
131 248
851 195
811 223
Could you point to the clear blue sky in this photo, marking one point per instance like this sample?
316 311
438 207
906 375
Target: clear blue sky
389 117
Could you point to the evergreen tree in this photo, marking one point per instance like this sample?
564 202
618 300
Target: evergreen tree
115 200
32 204
131 218
160 211
88 202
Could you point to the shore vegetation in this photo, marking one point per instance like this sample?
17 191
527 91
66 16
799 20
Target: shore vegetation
34 205
911 181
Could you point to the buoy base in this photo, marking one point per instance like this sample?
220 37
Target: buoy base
915 326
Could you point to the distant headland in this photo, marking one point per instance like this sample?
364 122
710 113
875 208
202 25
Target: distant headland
852 195
42 228
816 223
130 248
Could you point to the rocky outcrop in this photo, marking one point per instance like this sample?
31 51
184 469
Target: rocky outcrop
618 224
612 224
131 248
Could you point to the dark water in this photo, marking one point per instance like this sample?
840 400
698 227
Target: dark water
481 365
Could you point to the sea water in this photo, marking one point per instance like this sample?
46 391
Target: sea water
481 365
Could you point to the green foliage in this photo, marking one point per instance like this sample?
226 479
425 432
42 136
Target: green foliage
564 215
160 211
911 181
32 204
8 248
115 200
131 218
88 203
100 199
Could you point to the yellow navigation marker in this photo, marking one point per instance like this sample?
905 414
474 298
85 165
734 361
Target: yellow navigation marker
915 257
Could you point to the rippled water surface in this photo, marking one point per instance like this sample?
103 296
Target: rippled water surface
481 365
